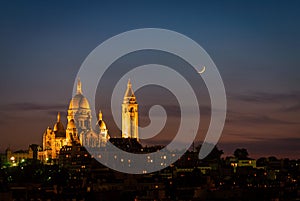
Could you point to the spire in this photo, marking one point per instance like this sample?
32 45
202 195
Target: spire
129 83
129 92
58 117
79 91
100 115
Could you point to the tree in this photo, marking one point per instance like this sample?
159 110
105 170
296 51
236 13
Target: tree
261 162
214 154
241 153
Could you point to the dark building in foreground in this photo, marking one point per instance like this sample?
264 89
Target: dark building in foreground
78 176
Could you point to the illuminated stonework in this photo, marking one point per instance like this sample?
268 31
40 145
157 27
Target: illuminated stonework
79 110
130 114
54 139
79 129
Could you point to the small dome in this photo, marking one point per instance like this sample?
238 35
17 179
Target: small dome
59 130
58 126
79 101
102 125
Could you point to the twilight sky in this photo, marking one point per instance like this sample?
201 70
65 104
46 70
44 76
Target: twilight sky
254 44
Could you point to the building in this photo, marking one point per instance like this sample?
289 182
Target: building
16 157
129 114
243 162
54 139
79 130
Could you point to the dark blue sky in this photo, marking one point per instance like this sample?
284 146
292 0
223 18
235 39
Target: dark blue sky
255 45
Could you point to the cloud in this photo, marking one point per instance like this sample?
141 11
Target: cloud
288 102
13 111
292 108
32 106
281 147
276 108
54 113
2 122
256 119
264 97
173 110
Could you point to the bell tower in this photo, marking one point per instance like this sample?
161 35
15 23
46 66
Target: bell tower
129 114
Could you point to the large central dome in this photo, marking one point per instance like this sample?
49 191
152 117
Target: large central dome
79 101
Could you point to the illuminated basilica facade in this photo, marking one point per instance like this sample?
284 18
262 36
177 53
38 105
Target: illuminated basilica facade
79 130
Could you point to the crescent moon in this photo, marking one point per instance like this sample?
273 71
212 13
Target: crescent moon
202 71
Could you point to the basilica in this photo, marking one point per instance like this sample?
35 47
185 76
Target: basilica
79 130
